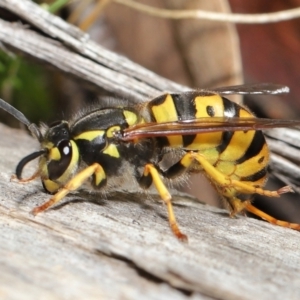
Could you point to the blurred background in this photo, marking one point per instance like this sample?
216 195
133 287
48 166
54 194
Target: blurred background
196 53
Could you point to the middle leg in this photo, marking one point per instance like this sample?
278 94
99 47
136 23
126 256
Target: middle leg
152 175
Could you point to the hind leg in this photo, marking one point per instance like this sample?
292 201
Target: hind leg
238 205
224 181
229 188
249 207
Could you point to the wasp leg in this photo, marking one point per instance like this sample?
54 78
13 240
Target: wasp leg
150 172
249 207
224 181
239 205
25 180
99 177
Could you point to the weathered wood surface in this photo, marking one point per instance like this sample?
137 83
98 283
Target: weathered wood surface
285 160
122 248
70 50
67 48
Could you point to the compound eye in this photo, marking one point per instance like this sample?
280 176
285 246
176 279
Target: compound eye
65 149
60 159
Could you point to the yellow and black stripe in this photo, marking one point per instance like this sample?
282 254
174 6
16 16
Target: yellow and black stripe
243 154
207 133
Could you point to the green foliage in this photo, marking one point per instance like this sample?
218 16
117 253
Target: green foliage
53 6
57 5
26 86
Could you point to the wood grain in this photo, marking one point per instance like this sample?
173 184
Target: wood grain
121 247
65 47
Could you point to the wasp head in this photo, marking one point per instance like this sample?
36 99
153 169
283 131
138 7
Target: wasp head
59 157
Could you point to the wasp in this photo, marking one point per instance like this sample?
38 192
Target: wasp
208 132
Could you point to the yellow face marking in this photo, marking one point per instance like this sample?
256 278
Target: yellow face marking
110 131
131 117
46 144
51 186
90 135
72 167
166 111
54 154
43 167
75 157
112 151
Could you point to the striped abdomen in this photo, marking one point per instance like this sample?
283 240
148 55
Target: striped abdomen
242 155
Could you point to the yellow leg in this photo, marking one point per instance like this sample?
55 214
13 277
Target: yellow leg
239 205
236 204
249 207
166 197
73 184
224 181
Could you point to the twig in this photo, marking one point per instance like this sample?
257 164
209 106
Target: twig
264 18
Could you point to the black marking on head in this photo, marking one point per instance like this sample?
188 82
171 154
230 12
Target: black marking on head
57 132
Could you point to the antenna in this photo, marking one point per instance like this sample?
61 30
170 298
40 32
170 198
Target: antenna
33 128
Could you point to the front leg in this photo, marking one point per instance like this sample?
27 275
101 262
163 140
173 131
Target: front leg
99 179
